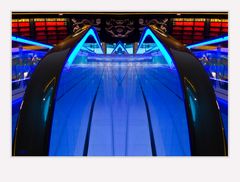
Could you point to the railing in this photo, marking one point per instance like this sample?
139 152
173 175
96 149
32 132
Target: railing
219 84
20 82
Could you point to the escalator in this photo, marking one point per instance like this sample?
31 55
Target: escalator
102 108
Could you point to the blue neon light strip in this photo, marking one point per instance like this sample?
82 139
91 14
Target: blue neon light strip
80 44
15 81
224 81
163 50
119 45
192 102
208 42
31 42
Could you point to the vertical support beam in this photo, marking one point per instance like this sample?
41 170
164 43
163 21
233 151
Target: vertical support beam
135 46
104 47
32 29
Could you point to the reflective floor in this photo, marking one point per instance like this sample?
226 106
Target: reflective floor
113 109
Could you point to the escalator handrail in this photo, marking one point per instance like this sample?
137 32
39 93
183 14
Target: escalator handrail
33 131
206 134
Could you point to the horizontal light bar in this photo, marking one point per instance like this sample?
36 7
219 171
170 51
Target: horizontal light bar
208 42
219 80
15 81
31 42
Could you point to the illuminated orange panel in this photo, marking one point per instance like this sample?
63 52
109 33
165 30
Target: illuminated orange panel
24 29
215 29
198 28
51 23
24 24
60 23
188 23
14 30
215 24
14 24
179 23
201 24
224 24
177 28
39 23
40 28
225 30
187 28
25 34
51 28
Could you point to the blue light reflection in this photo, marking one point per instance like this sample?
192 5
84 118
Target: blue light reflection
31 42
214 41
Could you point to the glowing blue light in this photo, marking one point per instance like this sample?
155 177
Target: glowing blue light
46 103
119 45
208 42
21 80
219 80
192 104
152 49
193 108
80 45
87 49
31 42
163 50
